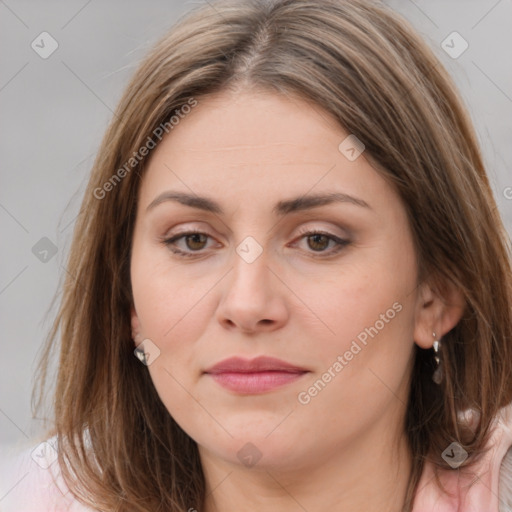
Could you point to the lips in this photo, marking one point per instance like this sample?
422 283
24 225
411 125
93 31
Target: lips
255 375
259 364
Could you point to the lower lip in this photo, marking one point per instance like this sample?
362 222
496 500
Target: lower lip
257 382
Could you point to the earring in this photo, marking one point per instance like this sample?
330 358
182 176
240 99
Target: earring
437 377
139 348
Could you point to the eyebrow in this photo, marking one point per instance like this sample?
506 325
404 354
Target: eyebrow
281 208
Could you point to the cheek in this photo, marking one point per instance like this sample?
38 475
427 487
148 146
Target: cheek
369 312
364 370
363 296
173 311
166 296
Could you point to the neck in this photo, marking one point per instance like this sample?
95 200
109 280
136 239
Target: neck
365 476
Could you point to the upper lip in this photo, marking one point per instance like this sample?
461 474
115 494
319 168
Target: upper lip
258 364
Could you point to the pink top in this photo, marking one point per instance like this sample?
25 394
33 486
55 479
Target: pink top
491 490
27 485
27 481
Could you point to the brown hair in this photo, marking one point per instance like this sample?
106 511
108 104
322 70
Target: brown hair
119 447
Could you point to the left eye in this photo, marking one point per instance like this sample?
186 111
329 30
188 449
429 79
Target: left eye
195 241
318 241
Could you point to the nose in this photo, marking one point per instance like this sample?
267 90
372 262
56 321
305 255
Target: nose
253 297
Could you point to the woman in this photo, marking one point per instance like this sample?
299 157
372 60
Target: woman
290 288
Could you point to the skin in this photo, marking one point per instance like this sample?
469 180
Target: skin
299 301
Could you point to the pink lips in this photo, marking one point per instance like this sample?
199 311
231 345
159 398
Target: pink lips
255 375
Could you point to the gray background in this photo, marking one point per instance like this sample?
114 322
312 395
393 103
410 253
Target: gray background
55 111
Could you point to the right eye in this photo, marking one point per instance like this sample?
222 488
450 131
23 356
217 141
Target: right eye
195 241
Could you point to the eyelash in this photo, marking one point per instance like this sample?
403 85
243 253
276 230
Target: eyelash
169 242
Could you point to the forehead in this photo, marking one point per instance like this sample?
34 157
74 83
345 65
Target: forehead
246 144
263 127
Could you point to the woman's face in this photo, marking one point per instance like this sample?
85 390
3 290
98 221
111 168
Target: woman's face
342 307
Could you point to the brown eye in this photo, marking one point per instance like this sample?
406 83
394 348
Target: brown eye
319 241
195 241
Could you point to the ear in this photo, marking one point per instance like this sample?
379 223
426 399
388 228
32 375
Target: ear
136 334
438 309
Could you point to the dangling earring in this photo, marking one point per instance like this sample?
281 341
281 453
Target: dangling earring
437 377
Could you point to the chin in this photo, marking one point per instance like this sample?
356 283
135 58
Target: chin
256 448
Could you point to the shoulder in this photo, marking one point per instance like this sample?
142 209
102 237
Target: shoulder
505 482
30 480
501 459
487 487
